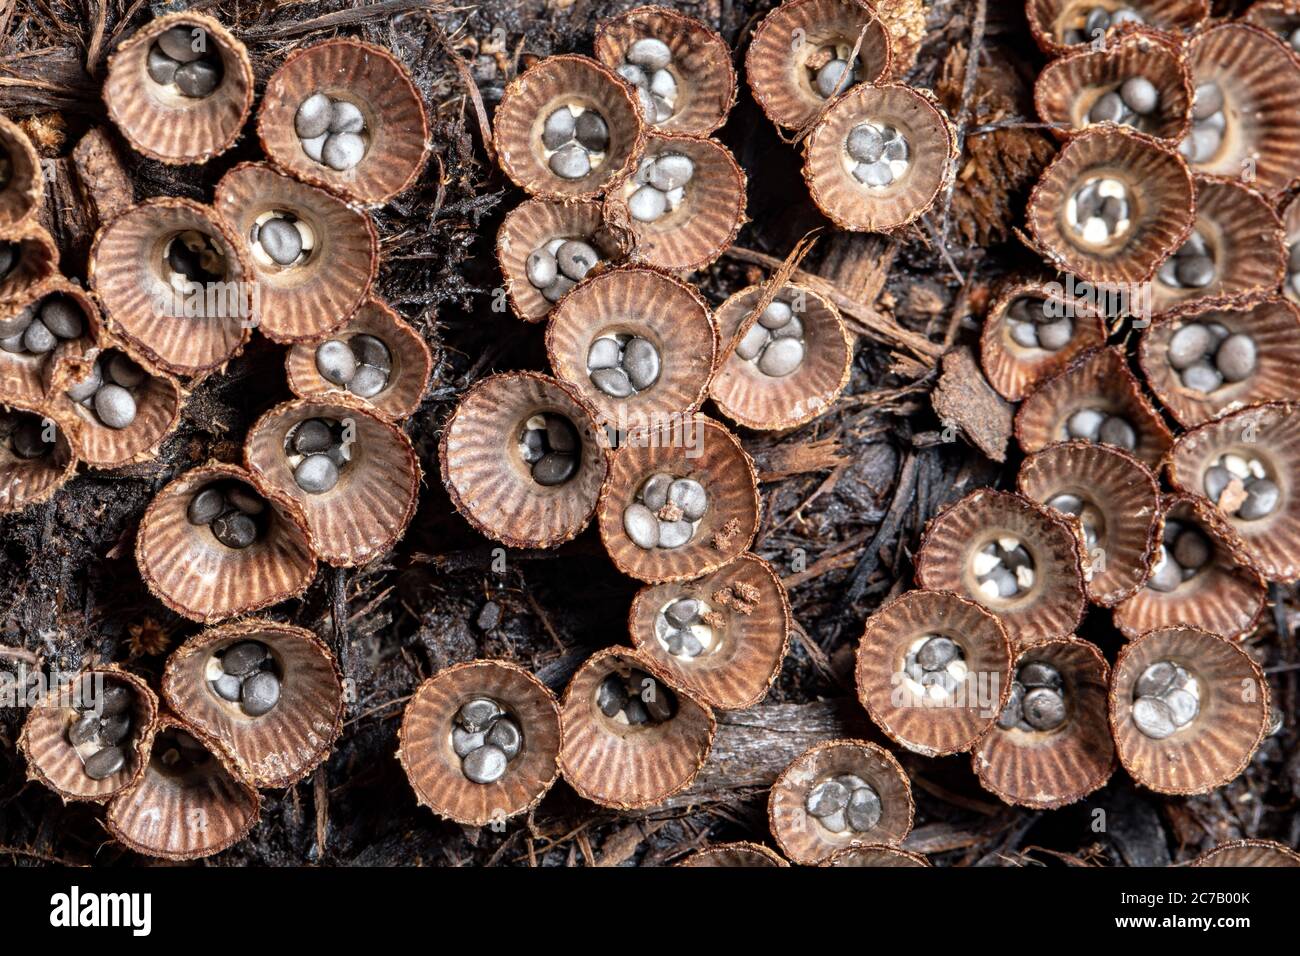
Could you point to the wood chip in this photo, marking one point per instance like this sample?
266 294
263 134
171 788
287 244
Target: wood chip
964 398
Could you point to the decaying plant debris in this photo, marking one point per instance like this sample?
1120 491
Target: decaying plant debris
844 498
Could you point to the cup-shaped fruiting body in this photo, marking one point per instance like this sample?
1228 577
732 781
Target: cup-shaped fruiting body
211 545
180 88
684 202
1187 710
933 671
174 283
1111 206
1058 25
1097 399
1249 853
1280 17
344 115
681 501
1051 745
37 453
639 345
1246 464
738 855
190 802
799 54
1113 501
630 741
22 186
313 256
721 638
1205 361
766 385
875 855
54 319
1235 250
267 694
1138 81
568 128
125 406
1246 114
1032 331
1010 555
28 258
837 794
880 157
480 742
354 475
1291 227
545 248
1201 576
681 70
89 739
377 356
524 460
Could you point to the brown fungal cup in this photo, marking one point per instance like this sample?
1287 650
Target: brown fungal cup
699 63
22 189
1113 501
1281 17
875 855
1062 326
1038 754
1058 25
556 84
174 284
277 747
721 638
375 472
802 836
1096 398
31 259
314 259
692 220
37 455
1216 590
859 184
792 50
626 305
433 734
1111 206
58 751
1242 238
735 855
933 671
160 119
1246 464
1257 77
1256 344
1249 853
746 387
26 373
199 577
1291 225
156 401
1174 745
690 463
536 225
1010 555
409 359
190 802
1082 88
498 473
629 741
383 111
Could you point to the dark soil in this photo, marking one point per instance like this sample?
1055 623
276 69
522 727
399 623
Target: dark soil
845 498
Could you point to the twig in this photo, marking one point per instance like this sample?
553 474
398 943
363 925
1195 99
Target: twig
963 113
